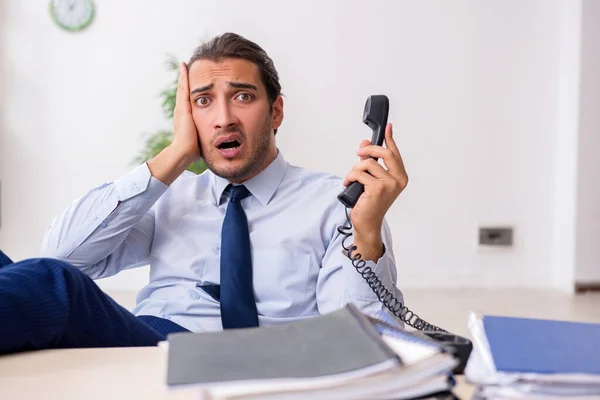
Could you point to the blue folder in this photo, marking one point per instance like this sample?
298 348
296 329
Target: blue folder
543 346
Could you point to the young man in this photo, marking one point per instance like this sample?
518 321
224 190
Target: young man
251 242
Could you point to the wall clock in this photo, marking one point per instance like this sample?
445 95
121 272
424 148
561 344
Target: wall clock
72 15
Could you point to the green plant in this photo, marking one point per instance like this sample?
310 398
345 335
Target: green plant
157 141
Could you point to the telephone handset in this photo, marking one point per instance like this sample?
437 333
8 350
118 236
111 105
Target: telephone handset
375 116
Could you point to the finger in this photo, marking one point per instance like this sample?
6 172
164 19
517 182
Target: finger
183 90
391 156
364 143
389 159
360 176
391 144
375 151
372 167
389 138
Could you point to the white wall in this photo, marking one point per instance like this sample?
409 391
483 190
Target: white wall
474 91
564 246
2 112
588 186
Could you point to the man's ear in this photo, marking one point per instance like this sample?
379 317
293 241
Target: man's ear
277 117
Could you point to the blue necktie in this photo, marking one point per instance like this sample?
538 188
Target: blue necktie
238 306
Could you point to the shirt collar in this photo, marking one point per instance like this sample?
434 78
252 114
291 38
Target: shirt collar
262 186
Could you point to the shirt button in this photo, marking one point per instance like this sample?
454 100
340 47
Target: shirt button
194 295
136 188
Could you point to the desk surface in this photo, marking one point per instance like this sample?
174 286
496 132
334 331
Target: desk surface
113 373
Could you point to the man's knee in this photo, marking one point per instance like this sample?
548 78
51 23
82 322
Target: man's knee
4 259
47 271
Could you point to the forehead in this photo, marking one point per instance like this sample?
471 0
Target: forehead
206 72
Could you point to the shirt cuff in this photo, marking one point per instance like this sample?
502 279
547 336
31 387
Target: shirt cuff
113 205
138 181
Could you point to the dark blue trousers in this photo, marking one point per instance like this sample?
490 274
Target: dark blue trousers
49 304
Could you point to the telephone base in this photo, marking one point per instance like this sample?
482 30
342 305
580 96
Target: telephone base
460 346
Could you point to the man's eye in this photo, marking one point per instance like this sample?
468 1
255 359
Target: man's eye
245 97
202 101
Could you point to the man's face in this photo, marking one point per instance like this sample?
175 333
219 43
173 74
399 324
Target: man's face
233 117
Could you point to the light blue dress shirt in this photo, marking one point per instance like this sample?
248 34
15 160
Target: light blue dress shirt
299 266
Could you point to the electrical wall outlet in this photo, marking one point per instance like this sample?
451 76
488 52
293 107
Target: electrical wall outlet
496 236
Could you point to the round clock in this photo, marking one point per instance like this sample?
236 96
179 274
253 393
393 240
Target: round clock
72 15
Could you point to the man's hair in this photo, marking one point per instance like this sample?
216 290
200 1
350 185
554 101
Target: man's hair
232 45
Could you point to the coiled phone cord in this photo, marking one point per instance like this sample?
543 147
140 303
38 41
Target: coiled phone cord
383 294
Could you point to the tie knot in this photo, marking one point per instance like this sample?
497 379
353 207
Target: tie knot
238 193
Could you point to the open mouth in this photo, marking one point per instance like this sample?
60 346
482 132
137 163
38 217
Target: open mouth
229 148
232 144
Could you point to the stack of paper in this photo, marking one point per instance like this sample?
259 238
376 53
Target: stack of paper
340 355
526 358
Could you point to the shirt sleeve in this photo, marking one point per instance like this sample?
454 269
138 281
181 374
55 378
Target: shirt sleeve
108 229
339 282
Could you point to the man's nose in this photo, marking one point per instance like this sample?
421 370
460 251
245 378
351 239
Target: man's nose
224 117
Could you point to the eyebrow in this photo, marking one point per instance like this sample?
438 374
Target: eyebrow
241 85
236 85
203 88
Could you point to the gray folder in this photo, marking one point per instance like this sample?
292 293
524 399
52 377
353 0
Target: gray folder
334 343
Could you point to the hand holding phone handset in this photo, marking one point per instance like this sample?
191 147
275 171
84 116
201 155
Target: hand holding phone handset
375 116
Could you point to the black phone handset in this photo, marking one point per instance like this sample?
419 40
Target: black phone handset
375 116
